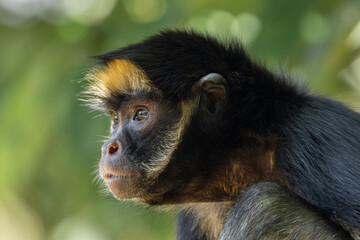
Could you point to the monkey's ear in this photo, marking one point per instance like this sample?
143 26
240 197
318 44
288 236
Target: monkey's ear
214 87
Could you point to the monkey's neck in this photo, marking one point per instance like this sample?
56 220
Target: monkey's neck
221 177
230 175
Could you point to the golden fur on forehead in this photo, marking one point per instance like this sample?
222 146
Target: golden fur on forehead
118 76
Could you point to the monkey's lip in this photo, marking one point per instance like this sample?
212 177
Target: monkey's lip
115 179
119 175
109 173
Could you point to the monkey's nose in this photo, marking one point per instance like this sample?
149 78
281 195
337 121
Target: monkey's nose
108 176
113 148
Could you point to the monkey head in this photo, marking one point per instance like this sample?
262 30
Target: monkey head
171 117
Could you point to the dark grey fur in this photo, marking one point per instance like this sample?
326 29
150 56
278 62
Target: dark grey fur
269 211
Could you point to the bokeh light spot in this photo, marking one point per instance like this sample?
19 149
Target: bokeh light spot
219 22
314 27
88 12
247 26
244 26
353 41
351 74
145 11
18 220
77 229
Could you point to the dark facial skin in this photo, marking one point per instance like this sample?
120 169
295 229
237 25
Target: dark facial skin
136 131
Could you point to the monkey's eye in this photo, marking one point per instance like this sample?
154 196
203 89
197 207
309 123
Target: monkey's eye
115 118
140 115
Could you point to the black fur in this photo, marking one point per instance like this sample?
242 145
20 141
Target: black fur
269 211
318 139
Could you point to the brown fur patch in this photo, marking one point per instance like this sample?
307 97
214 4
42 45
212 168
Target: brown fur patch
253 162
118 76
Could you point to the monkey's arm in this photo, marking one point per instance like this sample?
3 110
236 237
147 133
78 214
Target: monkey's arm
269 211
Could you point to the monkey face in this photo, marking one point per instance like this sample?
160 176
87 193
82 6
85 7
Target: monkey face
146 129
142 137
141 158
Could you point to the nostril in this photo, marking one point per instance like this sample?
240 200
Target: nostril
113 148
108 176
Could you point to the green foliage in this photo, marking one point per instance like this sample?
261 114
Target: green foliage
50 143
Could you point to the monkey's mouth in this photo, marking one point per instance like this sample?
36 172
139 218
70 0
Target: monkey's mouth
112 177
122 183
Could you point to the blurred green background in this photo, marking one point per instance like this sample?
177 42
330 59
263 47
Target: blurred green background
50 143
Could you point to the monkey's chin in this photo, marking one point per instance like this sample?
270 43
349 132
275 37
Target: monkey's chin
124 187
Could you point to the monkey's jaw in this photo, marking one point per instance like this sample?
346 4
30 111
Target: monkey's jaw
124 187
122 183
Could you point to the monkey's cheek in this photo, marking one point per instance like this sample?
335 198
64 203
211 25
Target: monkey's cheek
124 187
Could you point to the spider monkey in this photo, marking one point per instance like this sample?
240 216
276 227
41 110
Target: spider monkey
242 152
